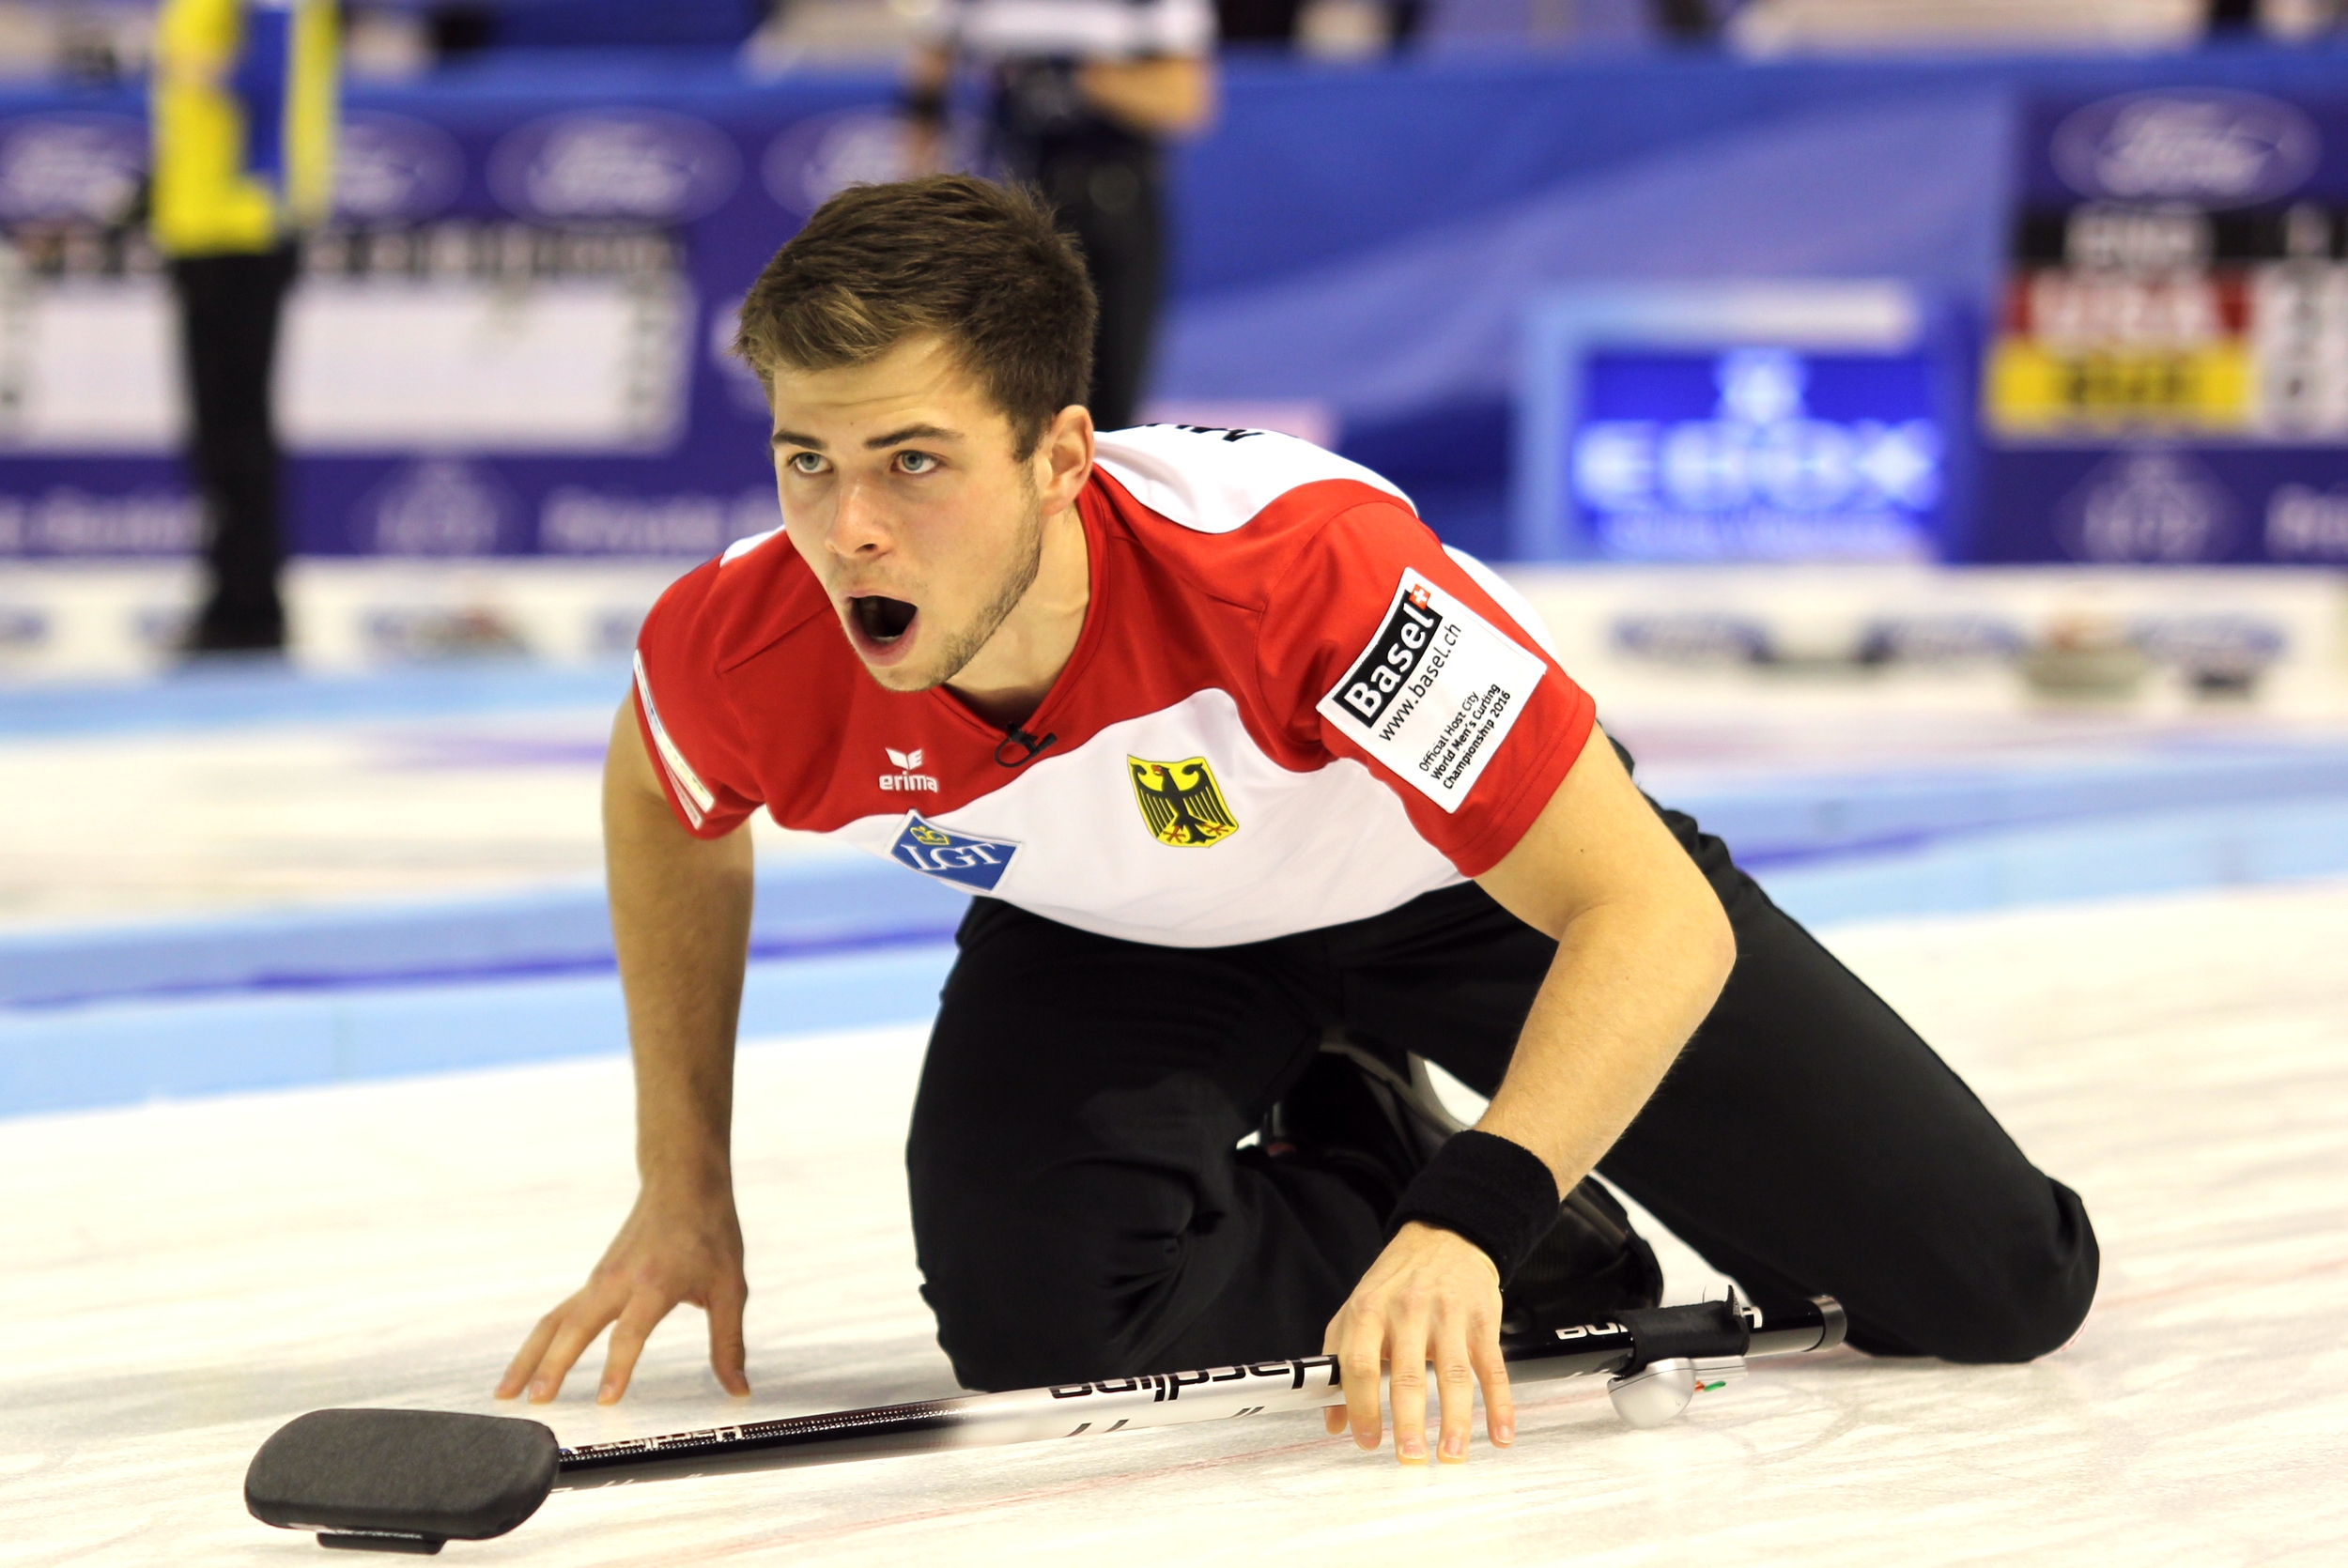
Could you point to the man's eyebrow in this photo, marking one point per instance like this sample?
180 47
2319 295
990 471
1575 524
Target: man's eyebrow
894 437
913 433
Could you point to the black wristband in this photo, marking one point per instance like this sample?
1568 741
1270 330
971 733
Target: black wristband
1496 1193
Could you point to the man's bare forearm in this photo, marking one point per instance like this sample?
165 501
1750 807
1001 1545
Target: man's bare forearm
681 920
1644 948
1627 989
681 923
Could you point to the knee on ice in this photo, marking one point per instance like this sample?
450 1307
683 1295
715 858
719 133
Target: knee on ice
2013 1302
2034 1317
1019 1319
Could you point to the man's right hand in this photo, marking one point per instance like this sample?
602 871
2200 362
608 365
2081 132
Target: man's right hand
681 926
673 1249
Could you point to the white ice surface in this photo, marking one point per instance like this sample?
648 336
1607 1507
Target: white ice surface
147 826
163 824
177 1279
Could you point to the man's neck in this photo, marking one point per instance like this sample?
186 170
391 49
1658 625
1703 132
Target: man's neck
1009 678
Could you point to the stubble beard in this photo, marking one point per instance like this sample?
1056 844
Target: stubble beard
957 650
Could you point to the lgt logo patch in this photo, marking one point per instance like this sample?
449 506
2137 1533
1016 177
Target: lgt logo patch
963 859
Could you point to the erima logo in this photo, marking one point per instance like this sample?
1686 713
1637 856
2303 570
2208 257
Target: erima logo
1372 688
905 777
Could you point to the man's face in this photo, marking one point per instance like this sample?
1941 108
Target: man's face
900 490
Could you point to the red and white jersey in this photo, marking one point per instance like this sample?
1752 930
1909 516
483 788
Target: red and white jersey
1290 707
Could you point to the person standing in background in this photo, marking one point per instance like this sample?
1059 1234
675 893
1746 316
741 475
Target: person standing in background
243 116
1086 92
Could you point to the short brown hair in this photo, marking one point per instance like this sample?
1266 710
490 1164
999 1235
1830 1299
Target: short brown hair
979 263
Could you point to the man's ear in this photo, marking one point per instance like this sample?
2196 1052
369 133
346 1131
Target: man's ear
1065 457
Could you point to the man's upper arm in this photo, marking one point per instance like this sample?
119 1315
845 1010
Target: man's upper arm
627 763
1597 841
692 742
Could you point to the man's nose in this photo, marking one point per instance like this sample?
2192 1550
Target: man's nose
859 524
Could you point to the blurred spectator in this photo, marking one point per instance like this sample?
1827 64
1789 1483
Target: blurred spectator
1244 22
1334 28
1685 20
1084 94
2289 20
93 41
244 111
1779 26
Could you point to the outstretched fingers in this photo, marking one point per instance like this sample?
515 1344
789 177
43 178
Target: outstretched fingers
1500 1403
575 1325
636 1323
1406 1378
1360 1336
675 1247
726 1354
1431 1298
1455 1383
534 1351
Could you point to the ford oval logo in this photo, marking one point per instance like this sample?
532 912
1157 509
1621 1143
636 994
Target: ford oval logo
614 165
71 166
818 157
2203 144
2150 504
388 168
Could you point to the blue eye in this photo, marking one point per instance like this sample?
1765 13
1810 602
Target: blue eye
807 462
916 462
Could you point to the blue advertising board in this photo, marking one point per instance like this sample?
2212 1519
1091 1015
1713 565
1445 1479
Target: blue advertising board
1757 454
1748 422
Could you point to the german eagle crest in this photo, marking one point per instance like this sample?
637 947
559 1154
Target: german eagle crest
1181 802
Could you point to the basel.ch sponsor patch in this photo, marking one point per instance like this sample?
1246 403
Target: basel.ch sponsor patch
1181 801
962 858
1435 692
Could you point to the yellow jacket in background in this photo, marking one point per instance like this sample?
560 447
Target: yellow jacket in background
244 114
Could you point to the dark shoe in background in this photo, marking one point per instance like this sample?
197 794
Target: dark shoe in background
1370 1115
1590 1266
1360 1112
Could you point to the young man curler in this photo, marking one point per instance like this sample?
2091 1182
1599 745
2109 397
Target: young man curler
1261 793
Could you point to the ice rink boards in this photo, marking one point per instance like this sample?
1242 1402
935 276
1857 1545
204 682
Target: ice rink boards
184 1277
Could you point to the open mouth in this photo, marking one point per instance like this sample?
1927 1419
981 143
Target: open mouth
883 621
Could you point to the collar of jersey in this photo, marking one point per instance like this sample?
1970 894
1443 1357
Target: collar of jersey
1093 511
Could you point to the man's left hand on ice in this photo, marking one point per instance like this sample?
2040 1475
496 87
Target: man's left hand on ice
1431 1300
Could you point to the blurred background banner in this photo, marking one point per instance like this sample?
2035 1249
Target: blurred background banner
2169 377
510 341
1432 209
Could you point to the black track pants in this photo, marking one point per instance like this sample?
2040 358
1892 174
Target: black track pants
230 309
1080 1211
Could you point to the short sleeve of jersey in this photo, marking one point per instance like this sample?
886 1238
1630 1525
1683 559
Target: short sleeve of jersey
688 725
1380 647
